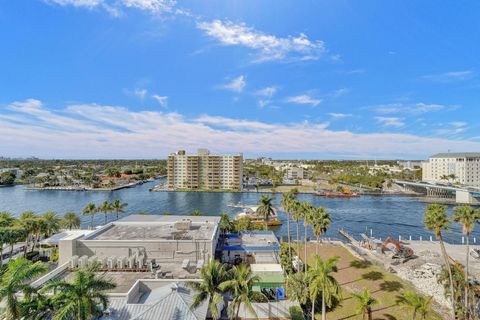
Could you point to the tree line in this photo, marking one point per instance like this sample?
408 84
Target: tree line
82 298
455 277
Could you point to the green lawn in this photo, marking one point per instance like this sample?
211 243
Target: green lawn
354 274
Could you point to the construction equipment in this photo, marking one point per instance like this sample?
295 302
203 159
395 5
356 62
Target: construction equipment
400 251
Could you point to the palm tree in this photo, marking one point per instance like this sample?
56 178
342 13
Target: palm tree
452 176
321 281
265 208
240 284
6 219
196 213
468 217
297 214
38 226
118 207
71 220
79 299
15 279
365 303
3 241
105 207
287 202
27 219
51 223
436 220
297 285
90 210
225 224
213 275
10 236
307 214
37 307
15 234
419 304
320 222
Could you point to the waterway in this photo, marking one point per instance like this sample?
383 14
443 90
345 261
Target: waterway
385 215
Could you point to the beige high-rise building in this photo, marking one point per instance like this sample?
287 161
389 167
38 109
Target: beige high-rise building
462 168
204 171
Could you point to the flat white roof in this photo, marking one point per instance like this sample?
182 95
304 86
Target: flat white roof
66 235
158 228
167 218
266 267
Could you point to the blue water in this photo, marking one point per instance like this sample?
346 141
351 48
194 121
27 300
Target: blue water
385 215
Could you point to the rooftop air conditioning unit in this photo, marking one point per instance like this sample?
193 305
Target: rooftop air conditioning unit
92 260
183 224
112 263
73 262
131 262
122 262
141 260
103 262
82 262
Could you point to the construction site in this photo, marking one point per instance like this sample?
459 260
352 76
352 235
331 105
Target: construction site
417 261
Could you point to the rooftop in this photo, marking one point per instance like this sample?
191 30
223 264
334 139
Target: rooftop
158 228
457 155
252 240
268 273
157 300
66 235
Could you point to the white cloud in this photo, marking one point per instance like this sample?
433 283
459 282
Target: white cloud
450 131
450 76
262 103
452 128
267 47
236 85
77 3
114 6
150 5
304 99
96 131
340 92
457 124
266 92
162 100
340 115
140 93
417 108
354 71
390 121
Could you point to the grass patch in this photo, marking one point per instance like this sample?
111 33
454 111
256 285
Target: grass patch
354 275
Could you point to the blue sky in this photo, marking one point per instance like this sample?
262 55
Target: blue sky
287 79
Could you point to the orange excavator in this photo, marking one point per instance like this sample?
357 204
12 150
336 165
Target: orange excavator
400 251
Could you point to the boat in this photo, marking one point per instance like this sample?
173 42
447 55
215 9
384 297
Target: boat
250 212
345 193
338 195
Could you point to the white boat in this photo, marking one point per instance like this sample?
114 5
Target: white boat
250 211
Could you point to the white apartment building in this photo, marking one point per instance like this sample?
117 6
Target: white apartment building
294 173
464 166
204 171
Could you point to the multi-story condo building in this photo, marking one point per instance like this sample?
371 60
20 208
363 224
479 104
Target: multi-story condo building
463 168
204 171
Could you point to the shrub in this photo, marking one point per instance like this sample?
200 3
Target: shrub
284 258
296 313
54 256
33 255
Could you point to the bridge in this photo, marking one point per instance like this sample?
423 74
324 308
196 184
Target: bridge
460 195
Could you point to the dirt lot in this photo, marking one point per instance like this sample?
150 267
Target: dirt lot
353 274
